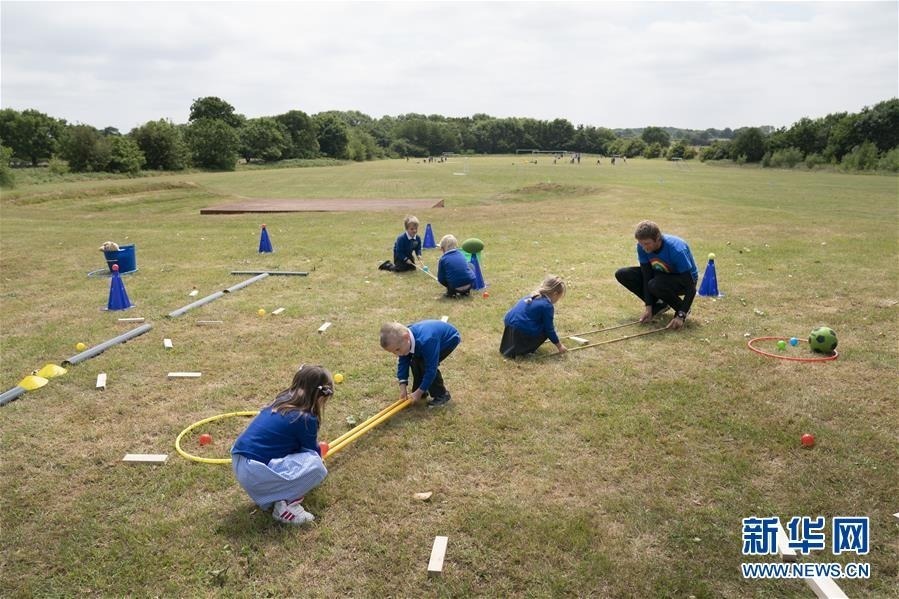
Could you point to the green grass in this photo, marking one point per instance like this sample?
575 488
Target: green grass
618 471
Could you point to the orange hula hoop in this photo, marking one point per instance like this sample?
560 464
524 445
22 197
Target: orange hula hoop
779 357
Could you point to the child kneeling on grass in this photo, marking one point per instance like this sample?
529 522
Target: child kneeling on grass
453 270
406 248
530 322
421 346
277 459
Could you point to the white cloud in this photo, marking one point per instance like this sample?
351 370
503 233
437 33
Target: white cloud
612 64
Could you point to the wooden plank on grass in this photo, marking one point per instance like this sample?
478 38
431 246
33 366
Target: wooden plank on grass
185 375
787 553
101 380
580 340
825 588
438 552
146 458
324 327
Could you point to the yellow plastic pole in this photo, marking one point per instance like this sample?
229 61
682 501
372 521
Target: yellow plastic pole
618 326
614 340
405 403
360 426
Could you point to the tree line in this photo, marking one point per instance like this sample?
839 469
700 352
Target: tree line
216 137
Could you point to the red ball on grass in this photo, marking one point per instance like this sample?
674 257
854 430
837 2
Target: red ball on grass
205 439
807 440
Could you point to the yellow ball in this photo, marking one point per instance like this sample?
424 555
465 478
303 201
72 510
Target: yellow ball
261 312
711 256
80 346
338 378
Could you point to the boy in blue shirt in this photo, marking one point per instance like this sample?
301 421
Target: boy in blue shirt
421 346
405 249
453 270
667 271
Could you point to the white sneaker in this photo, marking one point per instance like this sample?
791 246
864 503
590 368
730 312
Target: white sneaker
291 513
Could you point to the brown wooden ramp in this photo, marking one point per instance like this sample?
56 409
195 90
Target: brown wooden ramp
264 205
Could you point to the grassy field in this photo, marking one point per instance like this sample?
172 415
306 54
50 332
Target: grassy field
617 471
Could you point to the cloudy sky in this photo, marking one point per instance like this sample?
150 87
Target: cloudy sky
613 64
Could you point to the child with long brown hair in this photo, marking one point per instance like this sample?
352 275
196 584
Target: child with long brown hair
277 459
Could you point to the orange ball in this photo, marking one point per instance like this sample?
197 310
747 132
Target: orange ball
205 439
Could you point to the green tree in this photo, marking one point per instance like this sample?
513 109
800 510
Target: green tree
263 138
677 150
214 108
125 155
363 146
301 133
861 158
213 144
748 142
85 149
7 178
33 136
557 134
880 124
653 150
653 135
162 144
332 134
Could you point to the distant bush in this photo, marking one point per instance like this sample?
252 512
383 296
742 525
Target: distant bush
813 160
7 179
785 158
653 150
889 161
58 166
861 158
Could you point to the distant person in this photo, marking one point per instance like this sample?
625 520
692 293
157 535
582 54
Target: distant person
453 271
421 346
613 161
530 321
666 272
277 459
406 248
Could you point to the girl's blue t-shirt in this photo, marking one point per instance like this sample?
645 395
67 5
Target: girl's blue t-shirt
272 435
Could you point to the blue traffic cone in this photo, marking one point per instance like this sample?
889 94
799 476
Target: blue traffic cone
709 286
118 297
265 244
429 238
478 277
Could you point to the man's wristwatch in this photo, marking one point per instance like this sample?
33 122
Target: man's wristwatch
681 314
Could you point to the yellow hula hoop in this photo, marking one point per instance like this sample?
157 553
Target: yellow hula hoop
195 458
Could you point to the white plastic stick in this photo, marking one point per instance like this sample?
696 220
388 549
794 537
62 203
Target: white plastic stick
151 458
444 318
101 380
324 327
167 343
136 319
184 375
278 311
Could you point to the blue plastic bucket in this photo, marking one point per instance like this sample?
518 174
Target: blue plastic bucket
125 257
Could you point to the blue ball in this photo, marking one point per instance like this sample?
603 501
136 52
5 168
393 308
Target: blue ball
425 268
794 341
